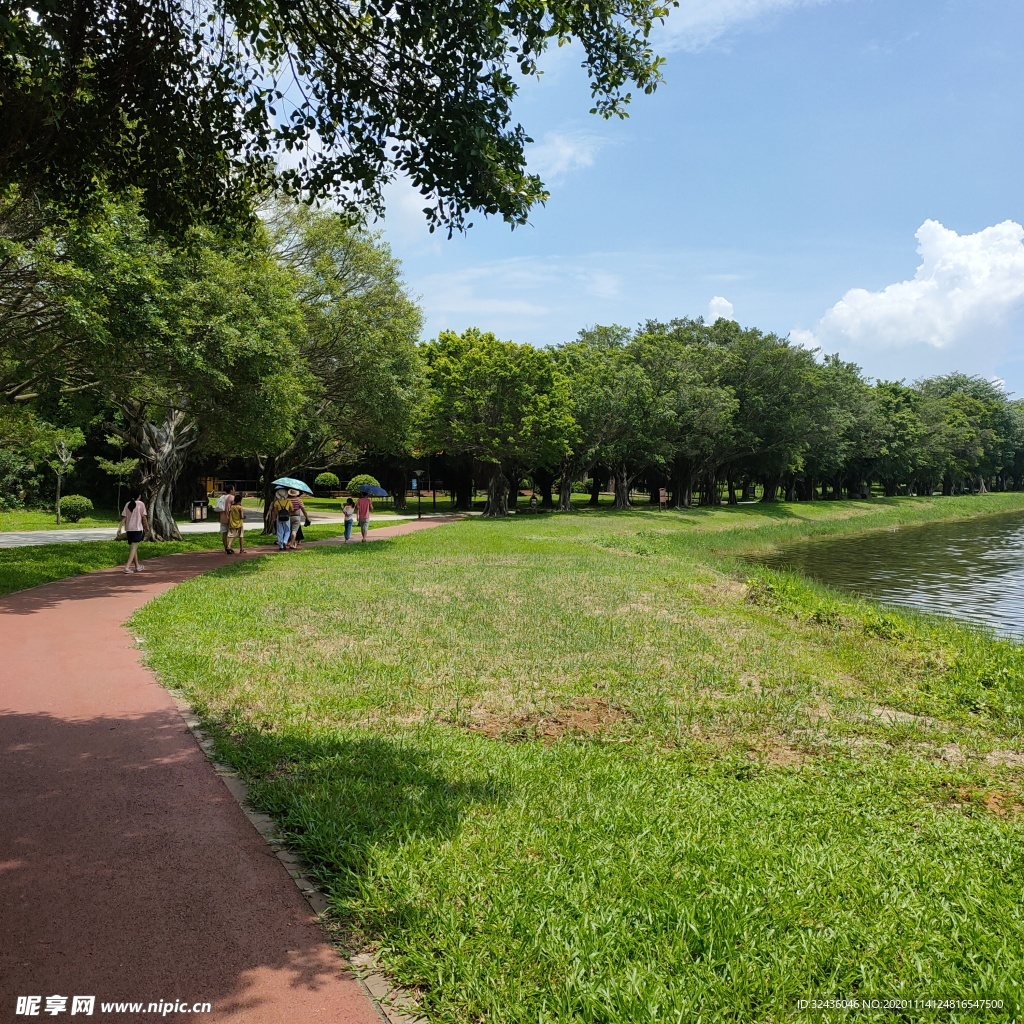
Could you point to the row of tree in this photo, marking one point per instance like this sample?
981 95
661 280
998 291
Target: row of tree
704 408
295 345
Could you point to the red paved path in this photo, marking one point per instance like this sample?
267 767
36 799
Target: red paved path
127 870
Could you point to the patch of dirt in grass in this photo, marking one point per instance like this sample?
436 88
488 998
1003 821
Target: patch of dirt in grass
890 716
588 716
778 753
1006 758
952 754
773 749
1000 802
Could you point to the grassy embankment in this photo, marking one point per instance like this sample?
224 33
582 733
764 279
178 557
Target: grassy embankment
592 768
30 566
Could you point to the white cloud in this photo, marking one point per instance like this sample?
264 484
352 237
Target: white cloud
719 307
560 152
965 287
542 299
696 24
477 292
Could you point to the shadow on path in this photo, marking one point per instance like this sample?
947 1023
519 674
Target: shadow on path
130 875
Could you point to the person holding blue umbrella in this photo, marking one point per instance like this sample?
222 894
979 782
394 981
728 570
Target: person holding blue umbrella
289 511
298 517
364 506
282 513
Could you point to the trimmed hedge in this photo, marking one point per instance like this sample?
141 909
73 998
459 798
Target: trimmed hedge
74 506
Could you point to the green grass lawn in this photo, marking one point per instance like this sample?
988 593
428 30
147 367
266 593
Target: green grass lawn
33 519
30 566
596 768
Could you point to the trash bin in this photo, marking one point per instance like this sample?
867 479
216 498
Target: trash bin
200 510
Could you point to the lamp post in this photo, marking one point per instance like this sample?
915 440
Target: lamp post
416 479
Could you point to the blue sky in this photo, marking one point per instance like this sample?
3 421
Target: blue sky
846 172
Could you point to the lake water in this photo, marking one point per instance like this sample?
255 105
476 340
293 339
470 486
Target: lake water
972 570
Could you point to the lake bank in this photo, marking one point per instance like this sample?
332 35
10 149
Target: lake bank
969 570
592 768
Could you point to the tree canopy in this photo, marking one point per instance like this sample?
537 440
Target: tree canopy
198 104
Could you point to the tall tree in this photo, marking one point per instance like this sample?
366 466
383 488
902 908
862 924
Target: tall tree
587 365
503 404
358 349
173 337
688 371
639 425
974 418
772 381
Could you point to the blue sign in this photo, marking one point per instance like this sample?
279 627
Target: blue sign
415 484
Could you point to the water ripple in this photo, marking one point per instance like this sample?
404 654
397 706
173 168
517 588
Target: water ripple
972 570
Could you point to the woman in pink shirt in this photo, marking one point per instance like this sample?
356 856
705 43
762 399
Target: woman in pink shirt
364 506
135 526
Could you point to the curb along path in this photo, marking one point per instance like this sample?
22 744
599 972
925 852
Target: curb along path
128 871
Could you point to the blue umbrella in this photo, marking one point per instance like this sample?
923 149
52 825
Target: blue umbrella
290 481
376 492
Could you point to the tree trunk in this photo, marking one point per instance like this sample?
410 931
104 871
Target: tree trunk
595 489
269 469
58 498
514 474
733 500
565 488
709 491
622 487
679 484
462 484
543 480
162 449
497 494
771 488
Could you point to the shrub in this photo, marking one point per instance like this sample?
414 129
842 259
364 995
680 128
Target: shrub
361 480
74 506
19 480
327 480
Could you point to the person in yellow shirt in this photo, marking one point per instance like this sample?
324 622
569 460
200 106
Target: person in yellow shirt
282 513
236 528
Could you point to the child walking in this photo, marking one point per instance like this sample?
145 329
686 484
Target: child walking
236 528
135 526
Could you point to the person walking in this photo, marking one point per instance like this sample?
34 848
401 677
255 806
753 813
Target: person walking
134 525
223 507
364 506
236 528
282 512
349 509
298 514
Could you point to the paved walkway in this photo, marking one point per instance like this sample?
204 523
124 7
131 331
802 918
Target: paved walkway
127 870
31 538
